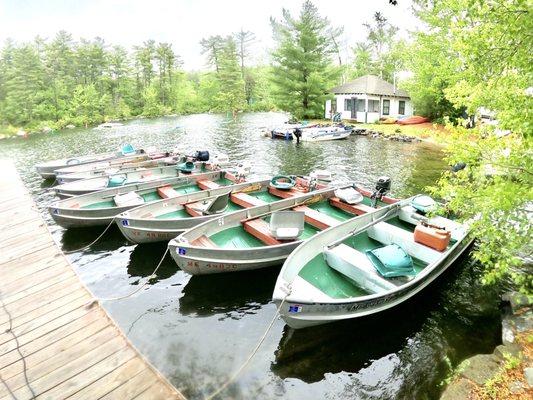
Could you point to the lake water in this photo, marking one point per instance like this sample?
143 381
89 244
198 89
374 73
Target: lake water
199 330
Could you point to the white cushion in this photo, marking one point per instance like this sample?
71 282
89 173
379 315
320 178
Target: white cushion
286 233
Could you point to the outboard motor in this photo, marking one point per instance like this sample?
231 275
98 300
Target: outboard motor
202 156
382 187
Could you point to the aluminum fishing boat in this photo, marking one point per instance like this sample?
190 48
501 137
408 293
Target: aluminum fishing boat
367 264
165 219
106 168
129 177
245 240
47 169
100 208
320 134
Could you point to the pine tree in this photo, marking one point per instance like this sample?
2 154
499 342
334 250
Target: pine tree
301 71
231 96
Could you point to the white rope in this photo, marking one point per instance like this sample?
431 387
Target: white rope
94 241
250 356
153 275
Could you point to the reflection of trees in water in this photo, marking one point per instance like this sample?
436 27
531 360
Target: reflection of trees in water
297 159
144 258
403 352
426 165
232 295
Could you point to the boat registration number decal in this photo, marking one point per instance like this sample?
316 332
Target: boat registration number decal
182 251
221 222
295 309
56 211
125 222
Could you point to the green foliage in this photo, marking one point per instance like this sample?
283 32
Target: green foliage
301 71
380 54
231 96
481 53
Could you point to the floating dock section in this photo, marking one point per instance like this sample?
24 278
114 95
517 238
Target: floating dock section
56 341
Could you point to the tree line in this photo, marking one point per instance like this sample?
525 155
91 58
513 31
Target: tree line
62 81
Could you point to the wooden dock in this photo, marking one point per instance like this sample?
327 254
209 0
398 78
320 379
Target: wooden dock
56 341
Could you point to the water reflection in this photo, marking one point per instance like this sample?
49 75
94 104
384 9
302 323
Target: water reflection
144 259
228 295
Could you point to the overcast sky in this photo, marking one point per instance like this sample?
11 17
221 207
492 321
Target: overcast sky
183 22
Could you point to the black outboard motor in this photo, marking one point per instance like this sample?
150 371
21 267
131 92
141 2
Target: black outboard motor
382 187
202 156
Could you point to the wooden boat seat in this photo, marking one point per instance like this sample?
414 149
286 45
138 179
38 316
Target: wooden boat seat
245 200
284 194
261 230
193 209
206 184
316 218
357 209
203 241
166 192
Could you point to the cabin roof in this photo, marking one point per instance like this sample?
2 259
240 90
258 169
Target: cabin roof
369 84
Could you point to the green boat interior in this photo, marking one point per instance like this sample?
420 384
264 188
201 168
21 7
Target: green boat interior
350 268
256 232
160 193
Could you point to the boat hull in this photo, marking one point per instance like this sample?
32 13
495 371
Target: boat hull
302 315
201 261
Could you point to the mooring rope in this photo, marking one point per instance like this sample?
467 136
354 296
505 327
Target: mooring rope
152 275
250 356
94 241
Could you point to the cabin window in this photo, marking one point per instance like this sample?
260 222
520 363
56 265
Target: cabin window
386 107
360 105
373 105
347 104
401 107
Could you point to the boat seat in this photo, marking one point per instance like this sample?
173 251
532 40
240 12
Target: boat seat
316 218
245 200
208 207
356 209
388 234
166 192
287 225
261 230
203 241
284 194
128 199
206 184
356 266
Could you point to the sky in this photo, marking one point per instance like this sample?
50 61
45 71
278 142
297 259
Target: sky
183 23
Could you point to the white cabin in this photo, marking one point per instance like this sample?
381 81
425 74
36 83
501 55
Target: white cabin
367 99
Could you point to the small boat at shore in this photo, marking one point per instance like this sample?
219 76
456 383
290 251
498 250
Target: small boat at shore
319 134
250 239
47 169
367 264
130 177
100 208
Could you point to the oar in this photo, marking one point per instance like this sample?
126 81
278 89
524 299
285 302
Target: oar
363 228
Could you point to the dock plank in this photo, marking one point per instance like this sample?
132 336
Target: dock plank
51 325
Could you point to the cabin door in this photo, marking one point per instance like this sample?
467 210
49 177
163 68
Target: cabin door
353 108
